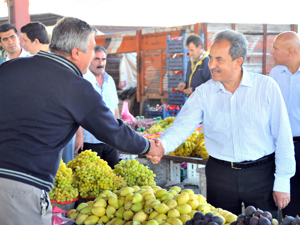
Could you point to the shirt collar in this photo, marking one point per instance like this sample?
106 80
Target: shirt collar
196 60
246 81
60 59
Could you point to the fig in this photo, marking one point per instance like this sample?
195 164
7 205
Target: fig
254 220
241 218
267 214
264 221
258 212
249 210
216 219
287 220
207 217
198 216
234 223
247 220
296 221
198 222
189 222
212 223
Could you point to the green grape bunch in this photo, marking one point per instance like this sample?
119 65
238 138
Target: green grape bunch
63 185
92 175
134 173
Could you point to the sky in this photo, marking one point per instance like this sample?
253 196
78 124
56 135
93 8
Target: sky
166 13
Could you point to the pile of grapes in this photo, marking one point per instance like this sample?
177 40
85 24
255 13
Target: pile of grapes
92 175
134 173
63 185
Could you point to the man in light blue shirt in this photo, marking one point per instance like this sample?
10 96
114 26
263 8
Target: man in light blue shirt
246 128
286 54
105 86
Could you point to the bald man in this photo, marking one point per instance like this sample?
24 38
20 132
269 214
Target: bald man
286 54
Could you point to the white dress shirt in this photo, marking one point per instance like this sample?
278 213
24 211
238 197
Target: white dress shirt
245 125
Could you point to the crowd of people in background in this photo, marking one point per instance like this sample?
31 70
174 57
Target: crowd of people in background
56 98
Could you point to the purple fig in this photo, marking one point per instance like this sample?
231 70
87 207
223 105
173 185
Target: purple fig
254 220
249 210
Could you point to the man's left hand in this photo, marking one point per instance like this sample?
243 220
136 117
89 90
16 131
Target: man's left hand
188 91
281 199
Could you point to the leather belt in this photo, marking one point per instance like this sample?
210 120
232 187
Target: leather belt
296 139
245 164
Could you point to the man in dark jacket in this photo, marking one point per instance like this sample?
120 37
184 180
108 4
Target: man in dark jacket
43 100
197 69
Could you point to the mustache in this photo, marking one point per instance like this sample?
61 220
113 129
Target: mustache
215 70
100 67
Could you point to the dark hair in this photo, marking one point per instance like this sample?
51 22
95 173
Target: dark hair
238 43
100 48
196 39
36 30
6 27
69 33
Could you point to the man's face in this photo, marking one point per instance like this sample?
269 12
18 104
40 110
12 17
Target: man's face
220 64
97 66
194 52
86 58
10 41
29 46
279 52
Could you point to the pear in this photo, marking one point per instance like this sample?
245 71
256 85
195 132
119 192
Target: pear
86 210
161 218
121 201
164 223
173 192
172 203
160 193
128 205
90 203
184 218
125 191
204 208
146 192
136 188
112 221
100 202
176 188
173 213
136 198
71 212
183 198
91 220
73 216
103 219
161 208
184 208
118 221
128 197
153 215
156 188
148 209
140 191
194 203
189 191
98 211
101 196
106 192
129 223
110 211
146 187
128 215
81 218
149 196
81 206
166 196
137 207
113 201
154 203
149 201
136 223
191 214
174 221
140 217
152 222
230 218
119 213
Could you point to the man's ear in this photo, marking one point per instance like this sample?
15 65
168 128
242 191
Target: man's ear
75 54
239 62
36 41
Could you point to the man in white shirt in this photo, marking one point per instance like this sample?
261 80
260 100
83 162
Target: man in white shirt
286 54
247 131
10 42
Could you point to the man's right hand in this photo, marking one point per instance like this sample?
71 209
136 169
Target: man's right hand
181 86
156 152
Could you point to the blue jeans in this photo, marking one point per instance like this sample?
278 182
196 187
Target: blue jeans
68 150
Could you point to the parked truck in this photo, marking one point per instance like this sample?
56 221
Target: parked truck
150 46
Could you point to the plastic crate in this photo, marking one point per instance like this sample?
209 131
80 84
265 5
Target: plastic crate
176 46
179 63
172 113
152 114
174 80
176 98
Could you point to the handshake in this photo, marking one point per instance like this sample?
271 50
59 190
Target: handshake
156 152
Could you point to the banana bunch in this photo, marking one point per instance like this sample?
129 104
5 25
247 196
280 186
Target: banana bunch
200 149
185 149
